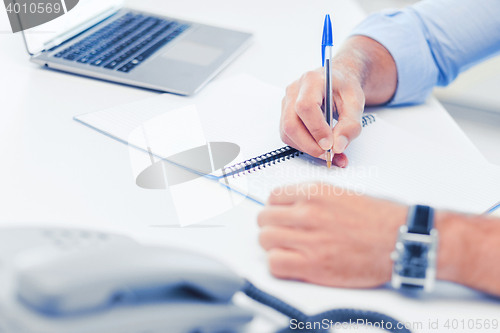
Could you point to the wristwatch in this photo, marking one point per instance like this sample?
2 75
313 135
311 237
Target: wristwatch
415 254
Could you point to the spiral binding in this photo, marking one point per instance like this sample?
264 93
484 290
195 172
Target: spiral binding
262 161
368 119
274 156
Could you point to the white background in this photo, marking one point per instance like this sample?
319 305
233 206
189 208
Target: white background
54 170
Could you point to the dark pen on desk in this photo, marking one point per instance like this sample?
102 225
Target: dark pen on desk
328 104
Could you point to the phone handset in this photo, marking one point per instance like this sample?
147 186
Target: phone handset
79 281
112 275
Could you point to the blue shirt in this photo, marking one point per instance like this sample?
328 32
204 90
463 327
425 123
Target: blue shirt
433 41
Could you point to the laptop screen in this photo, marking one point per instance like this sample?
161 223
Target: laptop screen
80 17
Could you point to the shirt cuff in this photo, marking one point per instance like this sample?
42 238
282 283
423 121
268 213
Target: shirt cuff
401 32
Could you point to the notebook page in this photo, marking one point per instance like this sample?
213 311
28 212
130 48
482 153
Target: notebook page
389 163
241 110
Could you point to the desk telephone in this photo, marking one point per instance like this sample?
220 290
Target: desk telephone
77 281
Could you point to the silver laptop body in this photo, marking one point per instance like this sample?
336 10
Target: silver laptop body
141 49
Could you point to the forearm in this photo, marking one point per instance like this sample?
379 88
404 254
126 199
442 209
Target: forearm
433 41
469 251
371 64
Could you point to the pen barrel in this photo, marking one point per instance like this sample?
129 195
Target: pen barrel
328 102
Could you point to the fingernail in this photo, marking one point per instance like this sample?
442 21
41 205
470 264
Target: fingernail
325 144
340 144
339 161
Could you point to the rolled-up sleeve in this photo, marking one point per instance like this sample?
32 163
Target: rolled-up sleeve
433 41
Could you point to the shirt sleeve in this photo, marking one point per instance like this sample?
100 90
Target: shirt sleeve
433 41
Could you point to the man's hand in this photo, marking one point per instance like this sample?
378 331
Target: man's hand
303 125
363 71
323 234
326 235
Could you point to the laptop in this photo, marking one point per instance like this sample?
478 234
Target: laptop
105 40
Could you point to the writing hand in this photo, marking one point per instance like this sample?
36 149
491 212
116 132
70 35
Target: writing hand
362 72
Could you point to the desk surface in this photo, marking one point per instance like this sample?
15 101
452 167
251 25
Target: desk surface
59 172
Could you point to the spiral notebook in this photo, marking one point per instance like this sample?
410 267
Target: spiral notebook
384 160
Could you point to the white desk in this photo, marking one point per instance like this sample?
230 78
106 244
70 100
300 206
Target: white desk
57 171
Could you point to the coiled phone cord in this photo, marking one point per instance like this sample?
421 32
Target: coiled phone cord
335 316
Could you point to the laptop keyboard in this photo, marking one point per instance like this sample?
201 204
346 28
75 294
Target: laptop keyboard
125 43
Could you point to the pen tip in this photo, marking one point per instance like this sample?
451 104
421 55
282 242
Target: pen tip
329 164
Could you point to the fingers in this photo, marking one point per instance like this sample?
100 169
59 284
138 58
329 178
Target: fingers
303 125
340 160
288 195
286 216
347 129
286 264
302 122
350 109
294 133
308 108
276 215
285 238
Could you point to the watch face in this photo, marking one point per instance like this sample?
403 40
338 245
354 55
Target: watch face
413 262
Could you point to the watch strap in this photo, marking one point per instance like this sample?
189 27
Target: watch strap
420 220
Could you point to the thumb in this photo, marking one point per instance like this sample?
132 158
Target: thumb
349 126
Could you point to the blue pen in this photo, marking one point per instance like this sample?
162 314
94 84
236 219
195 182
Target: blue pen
328 105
